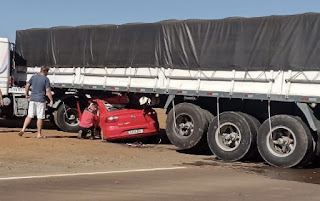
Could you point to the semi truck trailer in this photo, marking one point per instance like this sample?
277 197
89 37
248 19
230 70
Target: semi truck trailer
243 87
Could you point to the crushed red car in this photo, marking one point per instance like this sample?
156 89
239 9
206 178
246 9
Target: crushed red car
118 123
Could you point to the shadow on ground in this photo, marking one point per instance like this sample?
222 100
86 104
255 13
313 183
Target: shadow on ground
18 123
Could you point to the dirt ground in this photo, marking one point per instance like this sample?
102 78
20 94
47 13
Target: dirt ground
62 152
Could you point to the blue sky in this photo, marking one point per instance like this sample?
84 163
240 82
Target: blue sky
25 14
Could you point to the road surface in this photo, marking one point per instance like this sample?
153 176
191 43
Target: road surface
190 183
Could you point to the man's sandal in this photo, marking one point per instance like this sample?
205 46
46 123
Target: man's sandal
21 133
41 137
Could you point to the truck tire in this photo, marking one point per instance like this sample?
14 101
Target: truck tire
55 118
232 140
289 144
311 152
188 131
202 146
254 124
67 122
209 116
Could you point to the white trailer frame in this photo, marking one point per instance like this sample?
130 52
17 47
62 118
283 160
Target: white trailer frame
288 86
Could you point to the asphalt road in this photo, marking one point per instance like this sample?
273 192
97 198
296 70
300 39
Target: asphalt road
191 183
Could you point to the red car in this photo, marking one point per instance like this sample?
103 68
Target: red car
119 124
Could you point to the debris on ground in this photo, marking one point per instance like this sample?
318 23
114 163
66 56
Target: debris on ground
138 144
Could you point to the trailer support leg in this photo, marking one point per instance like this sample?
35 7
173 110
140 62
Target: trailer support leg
174 114
65 110
169 100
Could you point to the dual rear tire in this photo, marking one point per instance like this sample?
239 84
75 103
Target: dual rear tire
232 137
187 126
288 144
237 136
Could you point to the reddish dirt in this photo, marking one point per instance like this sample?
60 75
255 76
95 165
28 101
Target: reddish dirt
62 152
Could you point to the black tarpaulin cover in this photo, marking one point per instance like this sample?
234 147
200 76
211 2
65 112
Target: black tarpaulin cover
263 43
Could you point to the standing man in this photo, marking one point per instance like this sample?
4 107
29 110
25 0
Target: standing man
40 84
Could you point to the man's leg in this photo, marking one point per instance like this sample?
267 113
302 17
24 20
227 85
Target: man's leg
39 127
40 116
31 113
25 125
84 132
81 132
92 133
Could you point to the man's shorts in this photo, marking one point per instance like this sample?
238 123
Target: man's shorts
36 109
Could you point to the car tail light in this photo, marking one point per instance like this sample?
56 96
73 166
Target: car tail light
151 113
112 119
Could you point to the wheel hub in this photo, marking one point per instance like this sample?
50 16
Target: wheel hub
71 117
281 141
229 137
283 145
184 125
185 128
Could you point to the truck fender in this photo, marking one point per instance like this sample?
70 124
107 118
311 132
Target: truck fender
313 122
57 102
169 100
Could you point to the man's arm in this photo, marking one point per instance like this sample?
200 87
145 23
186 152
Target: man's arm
27 91
48 91
49 94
